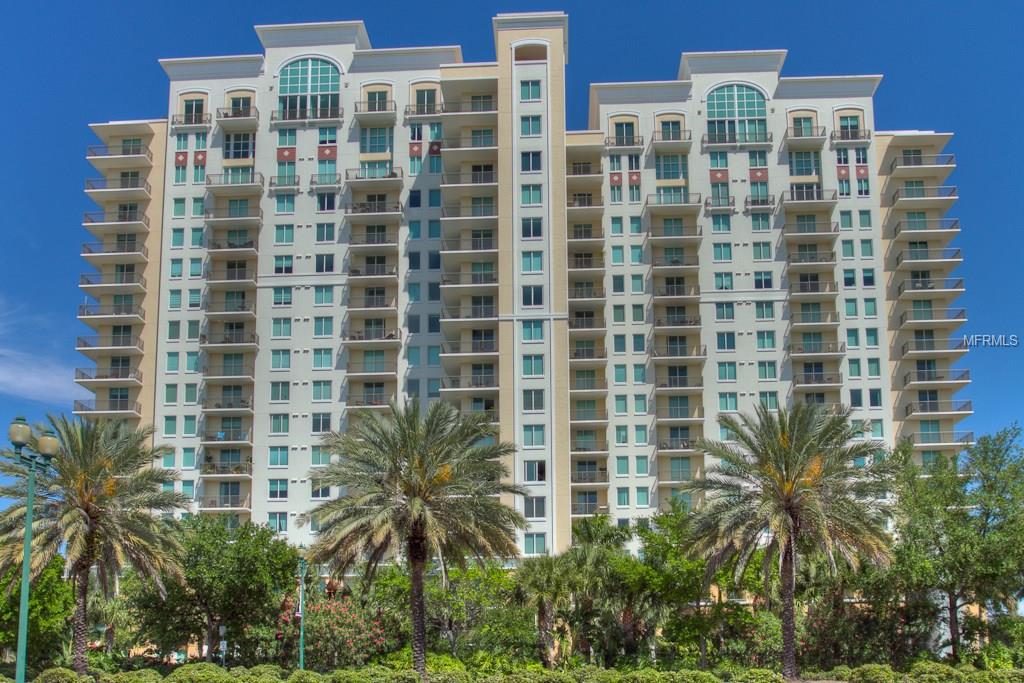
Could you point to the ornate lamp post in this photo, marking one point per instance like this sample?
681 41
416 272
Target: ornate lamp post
20 434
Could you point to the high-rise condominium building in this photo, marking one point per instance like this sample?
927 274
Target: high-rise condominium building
314 231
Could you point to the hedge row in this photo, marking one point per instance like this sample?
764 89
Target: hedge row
924 672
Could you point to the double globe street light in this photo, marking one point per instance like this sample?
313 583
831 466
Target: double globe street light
46 446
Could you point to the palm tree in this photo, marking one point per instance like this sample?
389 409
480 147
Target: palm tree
794 481
542 584
97 503
419 484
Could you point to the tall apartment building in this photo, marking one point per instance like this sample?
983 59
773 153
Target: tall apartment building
316 230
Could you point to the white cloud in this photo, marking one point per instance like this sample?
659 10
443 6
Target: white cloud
37 378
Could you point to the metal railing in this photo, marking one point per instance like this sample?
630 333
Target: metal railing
472 346
720 202
911 255
810 257
930 284
115 248
470 142
820 287
376 107
811 194
469 278
928 438
469 312
254 178
222 435
369 400
471 382
817 228
586 323
919 407
230 275
227 403
932 314
851 135
677 321
624 141
814 317
133 216
484 106
391 173
951 375
217 245
287 181
102 341
675 444
372 301
232 337
197 119
114 373
87 279
324 180
679 351
372 367
916 160
679 382
118 151
586 232
472 211
99 310
471 244
584 353
248 112
225 468
927 224
113 405
373 334
937 192
230 370
817 378
590 292
680 413
803 132
675 261
239 213
588 476
222 502
686 231
373 207
759 201
588 445
582 201
690 199
369 239
585 262
373 270
587 414
588 508
583 168
817 347
950 344
229 306
118 183
473 178
682 135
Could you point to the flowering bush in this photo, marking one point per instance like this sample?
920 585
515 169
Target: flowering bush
339 633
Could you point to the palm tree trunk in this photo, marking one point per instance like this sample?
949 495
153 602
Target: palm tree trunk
417 562
544 640
80 628
954 625
788 612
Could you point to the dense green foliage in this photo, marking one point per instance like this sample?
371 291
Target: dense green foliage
49 608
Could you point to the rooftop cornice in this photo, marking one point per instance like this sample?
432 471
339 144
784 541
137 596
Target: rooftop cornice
231 66
730 61
314 33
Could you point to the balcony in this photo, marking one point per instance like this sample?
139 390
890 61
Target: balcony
927 228
224 504
226 471
933 317
325 182
922 259
672 140
230 278
814 320
414 110
848 136
809 199
283 183
190 122
111 314
104 222
234 185
111 157
929 410
482 111
679 353
97 346
671 204
238 118
934 440
131 251
663 234
587 446
936 167
469 313
934 348
113 376
804 138
316 115
720 204
475 413
471 246
242 217
674 322
230 373
230 340
370 401
227 437
939 198
372 370
114 283
455 353
577 263
680 414
811 232
116 408
228 405
759 138
458 186
229 310
623 142
470 148
951 378
813 350
471 383
584 478
678 384
670 264
587 356
587 509
817 290
470 216
583 294
583 206
232 248
587 415
677 293
375 113
910 289
459 283
373 338
372 273
588 385
581 175
759 202
373 179
817 380
811 261
373 305
587 326
672 444
117 189
368 240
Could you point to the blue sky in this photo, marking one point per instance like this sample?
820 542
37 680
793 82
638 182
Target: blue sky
948 66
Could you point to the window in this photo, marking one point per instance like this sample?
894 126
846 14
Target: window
531 195
728 401
325 263
529 162
529 126
722 251
533 330
277 521
533 261
322 390
854 367
532 228
320 423
533 295
278 456
867 249
323 295
762 251
769 399
767 369
533 436
764 310
280 359
765 340
282 296
870 308
529 91
279 423
760 222
533 365
719 159
863 187
723 281
278 489
535 471
864 216
727 372
726 311
323 359
179 208
284 234
534 543
533 507
762 279
533 399
726 341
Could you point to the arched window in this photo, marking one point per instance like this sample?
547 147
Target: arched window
309 88
737 113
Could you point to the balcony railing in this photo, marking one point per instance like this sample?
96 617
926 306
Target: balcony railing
99 310
929 284
812 194
677 321
228 403
928 438
373 270
224 502
474 178
227 245
672 136
116 341
851 135
926 407
588 384
803 132
376 107
230 274
675 444
952 345
372 367
369 239
818 347
912 255
587 414
817 228
624 141
690 199
954 375
245 212
132 216
231 370
817 378
916 160
588 508
370 173
115 373
932 314
469 278
938 192
373 207
472 211
123 150
471 382
225 468
285 181
233 180
90 279
115 248
680 413
469 312
679 351
720 202
585 262
232 337
588 476
311 114
423 109
372 301
473 346
588 445
470 142
227 435
579 292
197 119
586 323
324 180
482 106
584 353
586 232
368 400
226 113
582 201
679 382
675 261
687 231
759 201
820 287
118 183
113 405
471 244
812 317
373 334
810 257
737 138
927 224
229 307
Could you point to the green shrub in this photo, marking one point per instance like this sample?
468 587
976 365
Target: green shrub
758 676
305 677
874 673
140 676
995 656
450 677
267 671
690 676
57 675
349 676
934 672
840 673
727 670
200 672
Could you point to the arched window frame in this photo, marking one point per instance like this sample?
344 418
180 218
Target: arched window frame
737 113
309 87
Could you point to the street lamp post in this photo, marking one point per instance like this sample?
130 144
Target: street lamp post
20 434
301 613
